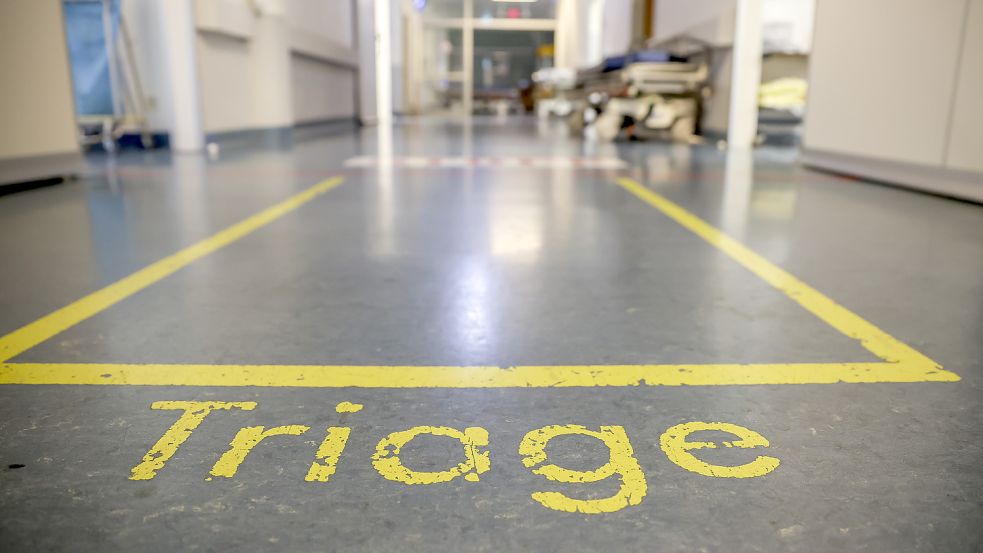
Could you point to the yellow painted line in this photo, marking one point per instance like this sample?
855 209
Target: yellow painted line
876 341
44 328
357 376
902 363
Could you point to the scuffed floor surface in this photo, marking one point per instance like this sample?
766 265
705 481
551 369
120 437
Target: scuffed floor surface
488 337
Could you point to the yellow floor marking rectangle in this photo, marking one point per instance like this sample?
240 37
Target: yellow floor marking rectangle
901 362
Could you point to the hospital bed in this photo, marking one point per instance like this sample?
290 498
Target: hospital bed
657 91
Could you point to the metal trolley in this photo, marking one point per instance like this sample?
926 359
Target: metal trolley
112 105
653 92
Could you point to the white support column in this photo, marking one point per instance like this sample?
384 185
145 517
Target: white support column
383 63
413 58
178 25
565 36
467 51
579 35
742 127
594 36
366 62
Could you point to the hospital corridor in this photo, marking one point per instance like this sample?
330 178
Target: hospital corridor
487 275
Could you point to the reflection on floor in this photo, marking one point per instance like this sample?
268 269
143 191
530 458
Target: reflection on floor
350 370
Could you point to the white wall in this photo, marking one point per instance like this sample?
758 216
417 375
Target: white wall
323 64
710 20
896 92
282 63
223 65
616 33
790 21
142 18
788 25
876 89
261 63
965 151
397 46
321 90
37 111
365 21
329 19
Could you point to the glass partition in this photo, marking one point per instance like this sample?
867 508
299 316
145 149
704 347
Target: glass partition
475 55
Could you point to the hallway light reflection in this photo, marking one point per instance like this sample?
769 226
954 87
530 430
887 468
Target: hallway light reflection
775 202
383 239
473 317
519 236
515 222
189 182
562 205
736 197
659 166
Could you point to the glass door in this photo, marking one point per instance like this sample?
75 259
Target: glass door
466 56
